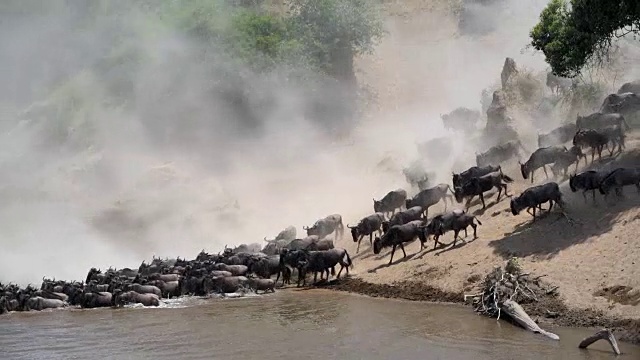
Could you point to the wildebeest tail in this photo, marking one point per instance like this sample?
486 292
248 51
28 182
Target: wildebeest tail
507 178
349 262
478 220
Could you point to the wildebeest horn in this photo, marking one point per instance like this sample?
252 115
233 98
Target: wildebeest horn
350 227
305 227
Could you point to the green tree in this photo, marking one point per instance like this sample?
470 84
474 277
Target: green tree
335 31
572 34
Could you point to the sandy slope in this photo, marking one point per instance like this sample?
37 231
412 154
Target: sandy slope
600 250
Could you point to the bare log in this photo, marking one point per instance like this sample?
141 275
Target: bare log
604 334
517 313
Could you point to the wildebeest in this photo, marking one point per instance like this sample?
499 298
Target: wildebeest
40 303
327 226
321 261
500 153
618 178
366 226
478 186
625 104
461 118
288 234
587 180
616 136
307 243
429 197
455 221
96 299
540 158
403 217
263 285
591 138
600 120
535 196
557 136
132 297
390 202
473 172
567 159
397 236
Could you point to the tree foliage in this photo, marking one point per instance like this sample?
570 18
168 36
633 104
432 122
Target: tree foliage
571 34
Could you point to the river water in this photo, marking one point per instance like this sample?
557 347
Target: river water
292 324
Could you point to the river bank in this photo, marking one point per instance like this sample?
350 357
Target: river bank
548 310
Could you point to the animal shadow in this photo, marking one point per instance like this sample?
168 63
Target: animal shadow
398 261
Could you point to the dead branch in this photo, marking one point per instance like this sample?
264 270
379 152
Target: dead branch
604 334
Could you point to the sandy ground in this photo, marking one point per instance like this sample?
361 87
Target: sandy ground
600 250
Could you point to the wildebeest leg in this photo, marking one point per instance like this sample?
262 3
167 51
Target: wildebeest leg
593 154
475 227
593 194
484 206
455 236
499 187
529 211
403 252
393 250
600 148
435 241
531 174
584 195
360 239
550 206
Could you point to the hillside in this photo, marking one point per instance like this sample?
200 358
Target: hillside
594 262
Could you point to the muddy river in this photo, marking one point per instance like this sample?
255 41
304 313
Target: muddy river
307 324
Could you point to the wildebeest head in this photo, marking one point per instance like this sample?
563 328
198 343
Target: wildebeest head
354 232
458 194
455 178
524 170
572 183
377 205
515 206
377 245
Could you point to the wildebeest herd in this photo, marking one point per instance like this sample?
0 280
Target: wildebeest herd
397 220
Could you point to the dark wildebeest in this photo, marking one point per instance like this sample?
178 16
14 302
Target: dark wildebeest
616 137
455 221
567 159
438 221
618 178
625 104
600 120
289 233
263 285
132 297
429 197
557 136
389 203
535 196
366 226
403 217
327 226
587 180
308 243
540 158
594 139
461 118
473 172
397 236
500 153
321 261
478 186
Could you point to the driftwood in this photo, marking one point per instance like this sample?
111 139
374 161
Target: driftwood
604 334
501 291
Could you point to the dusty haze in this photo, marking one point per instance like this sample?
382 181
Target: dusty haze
179 171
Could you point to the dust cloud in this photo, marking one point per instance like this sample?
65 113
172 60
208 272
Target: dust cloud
176 169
